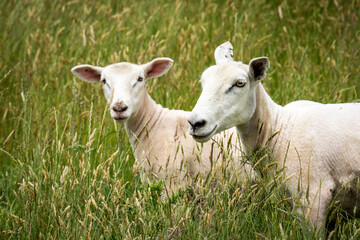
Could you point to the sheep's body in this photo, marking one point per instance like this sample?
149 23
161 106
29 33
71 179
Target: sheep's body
319 149
317 144
159 137
301 103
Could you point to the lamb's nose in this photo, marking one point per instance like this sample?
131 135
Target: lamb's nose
120 107
197 123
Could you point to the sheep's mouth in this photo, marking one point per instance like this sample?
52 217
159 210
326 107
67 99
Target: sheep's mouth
204 137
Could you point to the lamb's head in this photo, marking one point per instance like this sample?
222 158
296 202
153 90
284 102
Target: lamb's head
124 84
228 97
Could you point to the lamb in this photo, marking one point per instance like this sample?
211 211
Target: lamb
158 136
317 144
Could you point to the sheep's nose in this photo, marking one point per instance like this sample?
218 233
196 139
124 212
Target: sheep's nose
119 107
196 123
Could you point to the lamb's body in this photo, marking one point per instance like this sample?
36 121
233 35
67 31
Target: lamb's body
159 137
161 143
317 144
321 145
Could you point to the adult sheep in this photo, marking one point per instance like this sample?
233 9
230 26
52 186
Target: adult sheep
158 136
318 145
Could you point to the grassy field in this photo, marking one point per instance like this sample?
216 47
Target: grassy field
66 169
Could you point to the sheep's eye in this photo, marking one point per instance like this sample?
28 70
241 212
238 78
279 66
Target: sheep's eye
140 79
239 84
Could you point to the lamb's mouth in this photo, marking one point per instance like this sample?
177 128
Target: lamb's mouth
120 118
205 137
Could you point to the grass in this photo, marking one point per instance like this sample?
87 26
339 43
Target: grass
67 169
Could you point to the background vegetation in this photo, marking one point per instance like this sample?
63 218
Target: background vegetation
66 169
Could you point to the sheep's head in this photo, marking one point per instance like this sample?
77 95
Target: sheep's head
124 84
228 97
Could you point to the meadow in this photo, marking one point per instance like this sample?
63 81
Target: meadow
67 169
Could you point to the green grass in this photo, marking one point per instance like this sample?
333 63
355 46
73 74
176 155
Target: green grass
67 169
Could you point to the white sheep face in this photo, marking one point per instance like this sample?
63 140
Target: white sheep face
124 84
228 98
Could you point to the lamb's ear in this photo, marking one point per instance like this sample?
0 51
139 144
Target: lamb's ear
258 67
224 53
157 67
87 72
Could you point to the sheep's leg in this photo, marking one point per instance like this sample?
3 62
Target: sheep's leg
318 207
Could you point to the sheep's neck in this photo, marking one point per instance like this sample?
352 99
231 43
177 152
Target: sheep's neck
263 125
142 122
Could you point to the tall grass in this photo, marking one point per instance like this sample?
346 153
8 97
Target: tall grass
67 169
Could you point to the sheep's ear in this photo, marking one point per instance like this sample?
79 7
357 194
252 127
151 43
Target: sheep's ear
224 53
157 67
87 72
258 67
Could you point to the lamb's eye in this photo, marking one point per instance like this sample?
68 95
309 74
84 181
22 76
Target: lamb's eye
239 84
105 83
140 79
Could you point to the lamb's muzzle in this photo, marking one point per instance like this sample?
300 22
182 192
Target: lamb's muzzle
118 111
120 107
